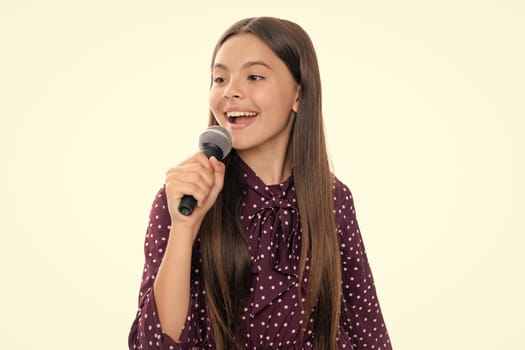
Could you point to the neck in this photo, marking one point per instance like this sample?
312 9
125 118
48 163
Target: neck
271 167
270 160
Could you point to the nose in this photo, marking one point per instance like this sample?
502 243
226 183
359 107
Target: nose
233 90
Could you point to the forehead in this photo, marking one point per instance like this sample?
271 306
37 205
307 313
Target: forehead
243 48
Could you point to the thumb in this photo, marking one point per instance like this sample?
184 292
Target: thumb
219 169
218 166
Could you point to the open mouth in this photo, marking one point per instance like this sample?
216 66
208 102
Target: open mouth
240 117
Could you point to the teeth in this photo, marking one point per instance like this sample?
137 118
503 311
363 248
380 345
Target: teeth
241 114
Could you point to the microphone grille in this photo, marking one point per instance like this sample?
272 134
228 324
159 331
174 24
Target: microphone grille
218 136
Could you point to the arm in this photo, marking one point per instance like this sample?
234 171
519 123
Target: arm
165 291
172 284
361 318
146 331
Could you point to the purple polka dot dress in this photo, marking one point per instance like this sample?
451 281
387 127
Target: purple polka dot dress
272 317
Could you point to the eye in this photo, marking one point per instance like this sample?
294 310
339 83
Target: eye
255 77
218 80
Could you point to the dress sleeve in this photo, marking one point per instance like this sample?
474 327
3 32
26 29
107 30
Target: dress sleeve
146 332
362 322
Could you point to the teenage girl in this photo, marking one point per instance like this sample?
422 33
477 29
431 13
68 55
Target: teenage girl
272 256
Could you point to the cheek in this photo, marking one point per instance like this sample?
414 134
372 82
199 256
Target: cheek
264 99
277 97
214 100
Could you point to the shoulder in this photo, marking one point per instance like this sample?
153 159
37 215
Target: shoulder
161 195
160 202
342 195
159 217
344 210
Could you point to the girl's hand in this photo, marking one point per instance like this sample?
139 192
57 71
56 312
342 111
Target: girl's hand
199 177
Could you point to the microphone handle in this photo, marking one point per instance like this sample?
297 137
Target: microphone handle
187 202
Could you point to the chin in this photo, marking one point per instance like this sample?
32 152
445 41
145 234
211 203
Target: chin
240 147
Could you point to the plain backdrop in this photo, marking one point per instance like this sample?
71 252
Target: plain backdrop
424 109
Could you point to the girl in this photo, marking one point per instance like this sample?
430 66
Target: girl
272 256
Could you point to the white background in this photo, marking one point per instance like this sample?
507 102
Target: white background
424 110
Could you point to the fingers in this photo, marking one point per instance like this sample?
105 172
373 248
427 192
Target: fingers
191 179
197 176
198 157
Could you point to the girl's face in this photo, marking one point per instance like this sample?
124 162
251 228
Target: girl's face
253 95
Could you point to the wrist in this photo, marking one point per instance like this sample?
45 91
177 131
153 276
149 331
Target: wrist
183 234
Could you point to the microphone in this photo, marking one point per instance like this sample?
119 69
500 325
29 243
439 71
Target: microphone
216 142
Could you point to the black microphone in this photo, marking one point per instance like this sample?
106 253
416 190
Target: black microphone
216 142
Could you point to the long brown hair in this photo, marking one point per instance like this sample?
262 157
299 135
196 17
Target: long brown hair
226 276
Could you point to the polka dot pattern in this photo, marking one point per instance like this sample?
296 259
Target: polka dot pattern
272 317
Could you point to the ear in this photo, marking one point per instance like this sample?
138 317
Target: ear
295 105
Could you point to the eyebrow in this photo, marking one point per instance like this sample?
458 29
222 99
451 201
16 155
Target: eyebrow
246 65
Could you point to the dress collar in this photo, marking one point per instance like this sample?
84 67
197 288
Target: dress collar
275 192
